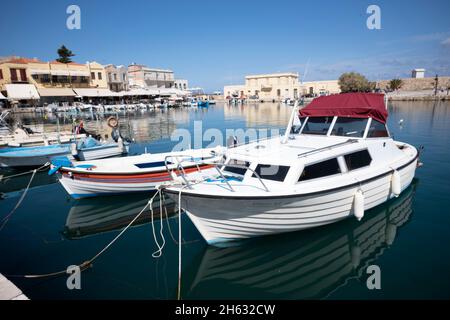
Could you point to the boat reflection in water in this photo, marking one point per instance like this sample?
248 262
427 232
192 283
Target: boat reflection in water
302 265
20 182
97 215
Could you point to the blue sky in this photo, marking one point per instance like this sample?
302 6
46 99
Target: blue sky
214 43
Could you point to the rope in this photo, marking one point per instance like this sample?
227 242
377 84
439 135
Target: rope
25 173
5 219
87 264
158 252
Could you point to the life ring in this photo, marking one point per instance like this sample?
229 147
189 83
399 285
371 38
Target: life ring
112 122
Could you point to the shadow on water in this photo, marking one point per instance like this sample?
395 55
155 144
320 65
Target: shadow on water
301 265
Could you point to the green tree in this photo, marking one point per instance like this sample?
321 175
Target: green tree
395 84
64 55
355 82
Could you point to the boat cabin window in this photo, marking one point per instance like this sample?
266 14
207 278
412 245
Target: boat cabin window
377 130
357 160
317 125
321 169
236 170
271 172
349 127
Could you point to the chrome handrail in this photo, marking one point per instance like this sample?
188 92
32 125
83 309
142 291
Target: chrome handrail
327 148
215 165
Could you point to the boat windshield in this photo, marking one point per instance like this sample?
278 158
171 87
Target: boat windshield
317 125
349 127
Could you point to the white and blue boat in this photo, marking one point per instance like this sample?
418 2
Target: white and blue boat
86 149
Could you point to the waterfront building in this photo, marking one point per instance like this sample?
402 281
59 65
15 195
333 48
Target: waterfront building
418 73
279 86
117 77
141 76
98 75
181 84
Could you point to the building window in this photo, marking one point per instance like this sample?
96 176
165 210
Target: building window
23 75
93 75
99 74
1 74
271 172
358 160
123 77
115 76
321 169
13 74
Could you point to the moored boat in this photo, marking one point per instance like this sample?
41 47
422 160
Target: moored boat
340 164
140 173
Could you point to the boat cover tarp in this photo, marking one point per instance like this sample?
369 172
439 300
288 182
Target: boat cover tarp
355 105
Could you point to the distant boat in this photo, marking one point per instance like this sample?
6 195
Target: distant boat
203 104
86 149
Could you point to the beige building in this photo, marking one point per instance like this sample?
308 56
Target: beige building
21 78
279 86
117 77
141 76
98 75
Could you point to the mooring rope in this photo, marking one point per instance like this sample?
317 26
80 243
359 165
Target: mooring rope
87 264
24 173
6 218
158 252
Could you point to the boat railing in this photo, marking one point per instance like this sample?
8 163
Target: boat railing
217 166
340 144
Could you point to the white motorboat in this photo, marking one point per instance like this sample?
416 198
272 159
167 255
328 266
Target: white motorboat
140 173
340 164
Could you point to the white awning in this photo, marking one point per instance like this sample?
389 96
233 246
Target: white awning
59 72
56 92
141 92
21 91
39 71
94 92
78 73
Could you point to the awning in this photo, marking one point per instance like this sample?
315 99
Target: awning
78 73
355 105
141 92
39 71
21 91
95 92
59 72
2 97
56 92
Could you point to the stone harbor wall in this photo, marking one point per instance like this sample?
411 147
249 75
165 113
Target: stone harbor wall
412 84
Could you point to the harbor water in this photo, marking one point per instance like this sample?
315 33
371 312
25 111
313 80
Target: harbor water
407 237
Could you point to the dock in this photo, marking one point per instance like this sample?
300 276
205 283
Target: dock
8 291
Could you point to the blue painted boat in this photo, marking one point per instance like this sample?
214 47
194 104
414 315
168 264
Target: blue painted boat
203 104
86 149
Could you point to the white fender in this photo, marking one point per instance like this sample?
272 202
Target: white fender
391 231
358 205
356 256
396 185
176 178
73 149
120 144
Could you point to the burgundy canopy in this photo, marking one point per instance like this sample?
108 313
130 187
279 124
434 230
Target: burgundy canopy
355 105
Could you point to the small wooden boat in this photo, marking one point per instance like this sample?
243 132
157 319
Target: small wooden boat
85 149
145 172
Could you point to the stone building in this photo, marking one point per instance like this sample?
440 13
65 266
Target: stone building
117 77
144 77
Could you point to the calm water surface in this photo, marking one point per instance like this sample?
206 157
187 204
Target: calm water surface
408 238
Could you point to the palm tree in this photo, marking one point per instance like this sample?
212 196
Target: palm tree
395 84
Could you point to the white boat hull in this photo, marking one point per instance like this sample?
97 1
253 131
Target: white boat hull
221 219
